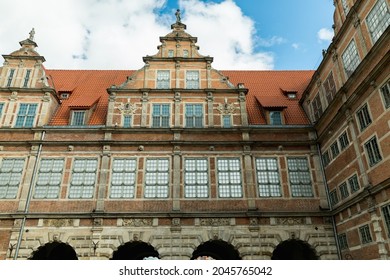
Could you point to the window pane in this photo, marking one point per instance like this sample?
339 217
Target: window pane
229 178
196 178
83 178
49 178
300 180
157 178
10 176
123 178
268 177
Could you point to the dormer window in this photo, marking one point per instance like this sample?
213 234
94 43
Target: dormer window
275 118
78 118
163 79
292 95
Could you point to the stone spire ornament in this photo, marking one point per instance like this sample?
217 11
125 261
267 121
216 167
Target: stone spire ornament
32 34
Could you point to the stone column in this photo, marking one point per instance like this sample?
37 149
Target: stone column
243 112
103 176
248 175
210 109
110 108
177 100
11 109
176 178
144 113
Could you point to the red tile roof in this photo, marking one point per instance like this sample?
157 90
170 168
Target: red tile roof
88 88
266 91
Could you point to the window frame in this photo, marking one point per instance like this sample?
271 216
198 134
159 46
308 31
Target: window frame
163 79
157 190
46 191
225 178
353 183
333 197
385 92
373 156
161 118
192 82
344 141
377 16
350 58
272 189
365 234
335 149
26 119
127 121
363 116
10 77
86 173
75 120
330 88
11 183
296 188
343 241
317 108
344 192
276 121
200 188
386 217
27 78
120 187
194 120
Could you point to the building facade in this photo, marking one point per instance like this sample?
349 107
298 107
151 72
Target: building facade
178 160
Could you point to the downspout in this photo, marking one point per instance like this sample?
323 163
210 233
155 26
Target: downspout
29 196
331 206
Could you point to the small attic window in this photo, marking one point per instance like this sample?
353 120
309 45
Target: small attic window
170 53
64 94
291 94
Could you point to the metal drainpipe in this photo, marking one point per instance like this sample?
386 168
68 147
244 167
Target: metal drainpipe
29 195
328 197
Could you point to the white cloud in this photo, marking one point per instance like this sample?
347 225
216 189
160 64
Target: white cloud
296 46
325 34
116 34
226 34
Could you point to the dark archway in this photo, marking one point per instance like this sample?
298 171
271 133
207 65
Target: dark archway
135 250
54 251
216 249
294 249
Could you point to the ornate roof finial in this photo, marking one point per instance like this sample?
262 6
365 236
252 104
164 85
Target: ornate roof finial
32 33
178 16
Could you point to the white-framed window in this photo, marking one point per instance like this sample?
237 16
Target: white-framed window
344 141
378 20
268 178
27 78
163 79
333 197
194 115
11 170
196 183
275 118
10 77
330 88
170 53
26 115
343 243
344 190
317 107
300 179
386 215
373 153
229 178
78 118
226 121
49 178
350 58
385 89
160 115
123 178
353 182
192 79
82 184
185 53
326 158
364 117
127 119
365 234
335 149
157 178
344 4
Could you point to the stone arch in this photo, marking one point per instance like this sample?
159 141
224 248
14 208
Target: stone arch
294 249
135 250
54 251
216 249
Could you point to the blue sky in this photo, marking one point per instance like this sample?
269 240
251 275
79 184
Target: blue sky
116 34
